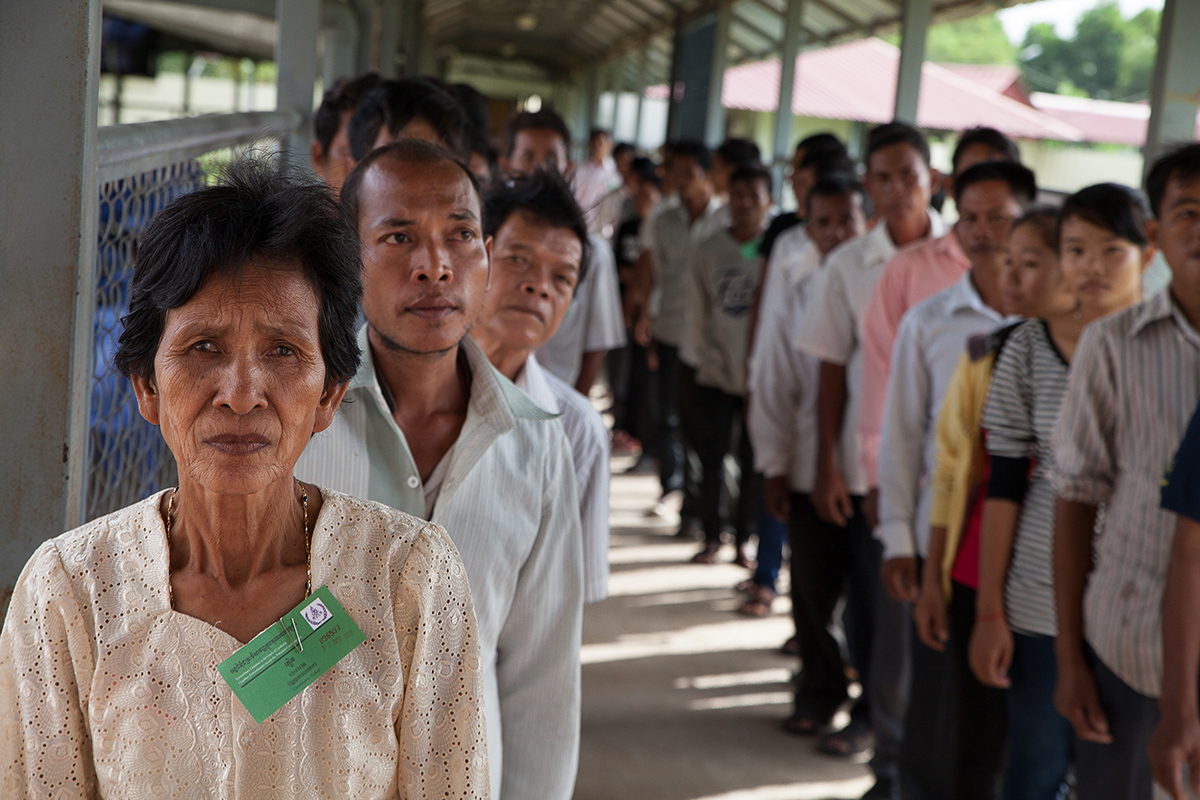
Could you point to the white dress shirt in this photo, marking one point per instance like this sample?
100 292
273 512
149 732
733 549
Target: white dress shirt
932 337
672 237
593 183
782 417
588 438
510 505
789 255
835 332
594 321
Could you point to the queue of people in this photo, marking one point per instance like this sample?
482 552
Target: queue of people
974 444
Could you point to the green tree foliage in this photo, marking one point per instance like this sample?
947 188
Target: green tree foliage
978 40
1109 57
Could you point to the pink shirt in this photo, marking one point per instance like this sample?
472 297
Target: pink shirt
916 272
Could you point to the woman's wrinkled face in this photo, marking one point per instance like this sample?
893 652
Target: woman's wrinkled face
239 380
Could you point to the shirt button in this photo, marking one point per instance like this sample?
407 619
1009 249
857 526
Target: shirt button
413 481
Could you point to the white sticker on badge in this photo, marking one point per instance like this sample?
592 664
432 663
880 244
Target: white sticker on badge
316 614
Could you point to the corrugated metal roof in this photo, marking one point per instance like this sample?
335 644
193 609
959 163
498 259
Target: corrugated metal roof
572 36
857 81
1103 121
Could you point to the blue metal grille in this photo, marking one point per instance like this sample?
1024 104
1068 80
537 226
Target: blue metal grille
128 459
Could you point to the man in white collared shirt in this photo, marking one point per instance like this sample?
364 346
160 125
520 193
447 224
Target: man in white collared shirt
929 344
431 428
539 250
663 275
900 183
782 420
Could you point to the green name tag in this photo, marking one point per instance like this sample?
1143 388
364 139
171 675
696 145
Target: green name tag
284 659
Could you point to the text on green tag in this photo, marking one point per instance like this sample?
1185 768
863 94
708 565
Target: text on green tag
288 656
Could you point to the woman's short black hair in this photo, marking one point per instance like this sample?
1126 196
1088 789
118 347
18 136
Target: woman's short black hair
1044 219
394 104
546 196
1117 209
256 211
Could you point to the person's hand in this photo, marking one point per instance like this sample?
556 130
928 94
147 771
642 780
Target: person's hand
871 507
775 493
900 579
643 328
1076 698
633 304
1175 742
929 614
831 498
991 652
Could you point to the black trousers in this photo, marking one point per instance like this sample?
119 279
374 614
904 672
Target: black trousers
690 431
664 419
828 563
721 430
956 731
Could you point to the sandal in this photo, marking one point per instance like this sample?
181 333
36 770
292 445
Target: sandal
852 740
742 559
708 555
806 722
758 604
745 587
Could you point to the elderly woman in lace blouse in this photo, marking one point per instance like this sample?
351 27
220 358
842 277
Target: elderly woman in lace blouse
239 343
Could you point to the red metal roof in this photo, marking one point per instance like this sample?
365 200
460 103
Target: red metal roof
857 81
1100 120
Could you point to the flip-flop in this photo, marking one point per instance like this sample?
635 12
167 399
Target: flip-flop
852 740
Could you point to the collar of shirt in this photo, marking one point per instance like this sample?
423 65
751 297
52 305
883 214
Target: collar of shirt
963 296
948 245
879 247
532 380
494 406
1162 306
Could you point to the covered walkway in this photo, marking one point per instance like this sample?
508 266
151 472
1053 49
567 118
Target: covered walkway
683 698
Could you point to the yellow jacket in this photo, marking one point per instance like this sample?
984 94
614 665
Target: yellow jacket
960 453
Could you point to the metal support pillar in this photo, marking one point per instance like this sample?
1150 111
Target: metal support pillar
917 16
674 121
714 116
592 117
616 85
793 38
298 23
642 81
47 268
1176 88
341 35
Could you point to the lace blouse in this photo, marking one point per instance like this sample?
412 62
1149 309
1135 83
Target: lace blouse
107 691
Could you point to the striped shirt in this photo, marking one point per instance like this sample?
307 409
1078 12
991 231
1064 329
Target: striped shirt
1027 391
1134 382
589 447
508 501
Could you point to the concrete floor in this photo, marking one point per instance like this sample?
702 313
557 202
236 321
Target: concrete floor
682 697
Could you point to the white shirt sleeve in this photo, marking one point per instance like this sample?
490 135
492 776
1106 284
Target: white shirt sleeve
828 332
606 320
774 391
538 672
906 418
